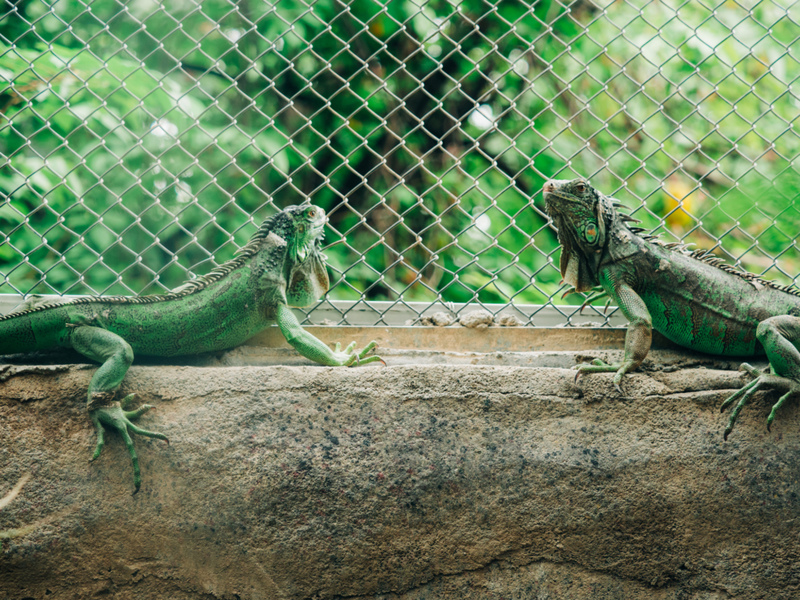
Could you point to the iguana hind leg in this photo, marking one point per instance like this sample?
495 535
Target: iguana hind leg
116 356
779 336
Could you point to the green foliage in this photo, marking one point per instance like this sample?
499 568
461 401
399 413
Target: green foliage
426 130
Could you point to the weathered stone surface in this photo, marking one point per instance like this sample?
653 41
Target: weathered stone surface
405 482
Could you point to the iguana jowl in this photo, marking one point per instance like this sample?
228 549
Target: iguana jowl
281 266
691 298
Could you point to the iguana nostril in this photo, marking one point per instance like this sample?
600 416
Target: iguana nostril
549 187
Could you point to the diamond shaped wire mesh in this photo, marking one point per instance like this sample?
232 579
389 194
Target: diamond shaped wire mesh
143 142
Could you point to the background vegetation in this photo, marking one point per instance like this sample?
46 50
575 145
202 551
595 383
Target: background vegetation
144 142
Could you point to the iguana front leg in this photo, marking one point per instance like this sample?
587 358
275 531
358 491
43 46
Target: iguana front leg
116 356
316 350
779 336
637 339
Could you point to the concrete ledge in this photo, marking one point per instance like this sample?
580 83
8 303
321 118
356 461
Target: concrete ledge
447 339
405 482
444 339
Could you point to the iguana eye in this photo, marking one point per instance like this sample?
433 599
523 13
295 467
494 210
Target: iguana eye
311 213
580 188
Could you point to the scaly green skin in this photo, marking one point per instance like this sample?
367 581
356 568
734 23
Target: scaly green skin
280 267
692 299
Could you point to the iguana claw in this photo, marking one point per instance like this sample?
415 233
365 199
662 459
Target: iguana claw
350 358
116 417
768 380
600 366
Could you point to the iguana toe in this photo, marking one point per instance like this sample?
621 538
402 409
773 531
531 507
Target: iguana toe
751 370
767 380
726 433
370 359
353 358
135 414
361 358
127 401
794 389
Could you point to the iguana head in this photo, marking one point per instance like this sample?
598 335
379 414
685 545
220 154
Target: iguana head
296 232
303 231
582 216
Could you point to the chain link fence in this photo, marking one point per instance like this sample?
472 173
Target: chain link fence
143 142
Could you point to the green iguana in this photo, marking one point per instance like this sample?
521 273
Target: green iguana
691 298
281 266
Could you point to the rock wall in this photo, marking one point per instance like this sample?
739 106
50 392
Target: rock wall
405 482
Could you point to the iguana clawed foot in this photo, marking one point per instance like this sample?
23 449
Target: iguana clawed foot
350 358
761 380
116 417
599 366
